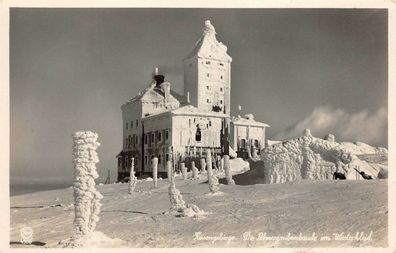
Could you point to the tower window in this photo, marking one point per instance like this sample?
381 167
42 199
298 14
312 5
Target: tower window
207 75
221 102
198 134
207 100
221 89
221 64
207 87
221 77
208 62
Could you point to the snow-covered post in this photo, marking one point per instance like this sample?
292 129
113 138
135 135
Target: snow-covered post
194 170
227 170
203 164
169 171
132 177
213 181
86 197
154 163
183 170
221 164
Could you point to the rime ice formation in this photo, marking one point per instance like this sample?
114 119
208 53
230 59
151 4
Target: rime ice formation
178 206
194 171
86 197
308 157
203 164
212 179
132 177
227 170
183 170
155 171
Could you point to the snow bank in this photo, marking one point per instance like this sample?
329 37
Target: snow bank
308 157
238 165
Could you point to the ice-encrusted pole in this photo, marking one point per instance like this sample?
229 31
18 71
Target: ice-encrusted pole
227 170
194 170
154 163
86 197
183 170
132 177
213 181
203 164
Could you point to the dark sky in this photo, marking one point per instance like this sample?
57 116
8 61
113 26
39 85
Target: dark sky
71 69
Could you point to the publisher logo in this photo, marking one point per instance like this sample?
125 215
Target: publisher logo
26 235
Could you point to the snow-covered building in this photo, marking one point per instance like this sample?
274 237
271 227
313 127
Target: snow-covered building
159 122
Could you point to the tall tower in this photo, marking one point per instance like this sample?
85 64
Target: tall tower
207 73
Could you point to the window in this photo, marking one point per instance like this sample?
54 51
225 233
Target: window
137 123
166 135
126 162
207 75
159 159
256 143
136 139
131 124
221 102
167 157
221 64
207 100
221 77
152 138
221 89
126 141
159 136
145 159
145 138
207 62
152 157
207 87
210 123
198 134
243 143
126 126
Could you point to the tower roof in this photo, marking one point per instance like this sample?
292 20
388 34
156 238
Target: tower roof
208 47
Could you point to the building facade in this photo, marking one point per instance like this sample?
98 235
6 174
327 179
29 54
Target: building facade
161 123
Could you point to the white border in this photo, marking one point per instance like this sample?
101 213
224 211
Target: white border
4 104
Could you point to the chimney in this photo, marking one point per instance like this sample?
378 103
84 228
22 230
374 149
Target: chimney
159 79
166 89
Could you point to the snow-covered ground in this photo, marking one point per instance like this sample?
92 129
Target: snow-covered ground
141 219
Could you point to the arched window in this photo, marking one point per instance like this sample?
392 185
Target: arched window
198 134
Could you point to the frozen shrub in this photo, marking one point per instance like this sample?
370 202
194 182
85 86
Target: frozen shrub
86 197
176 200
